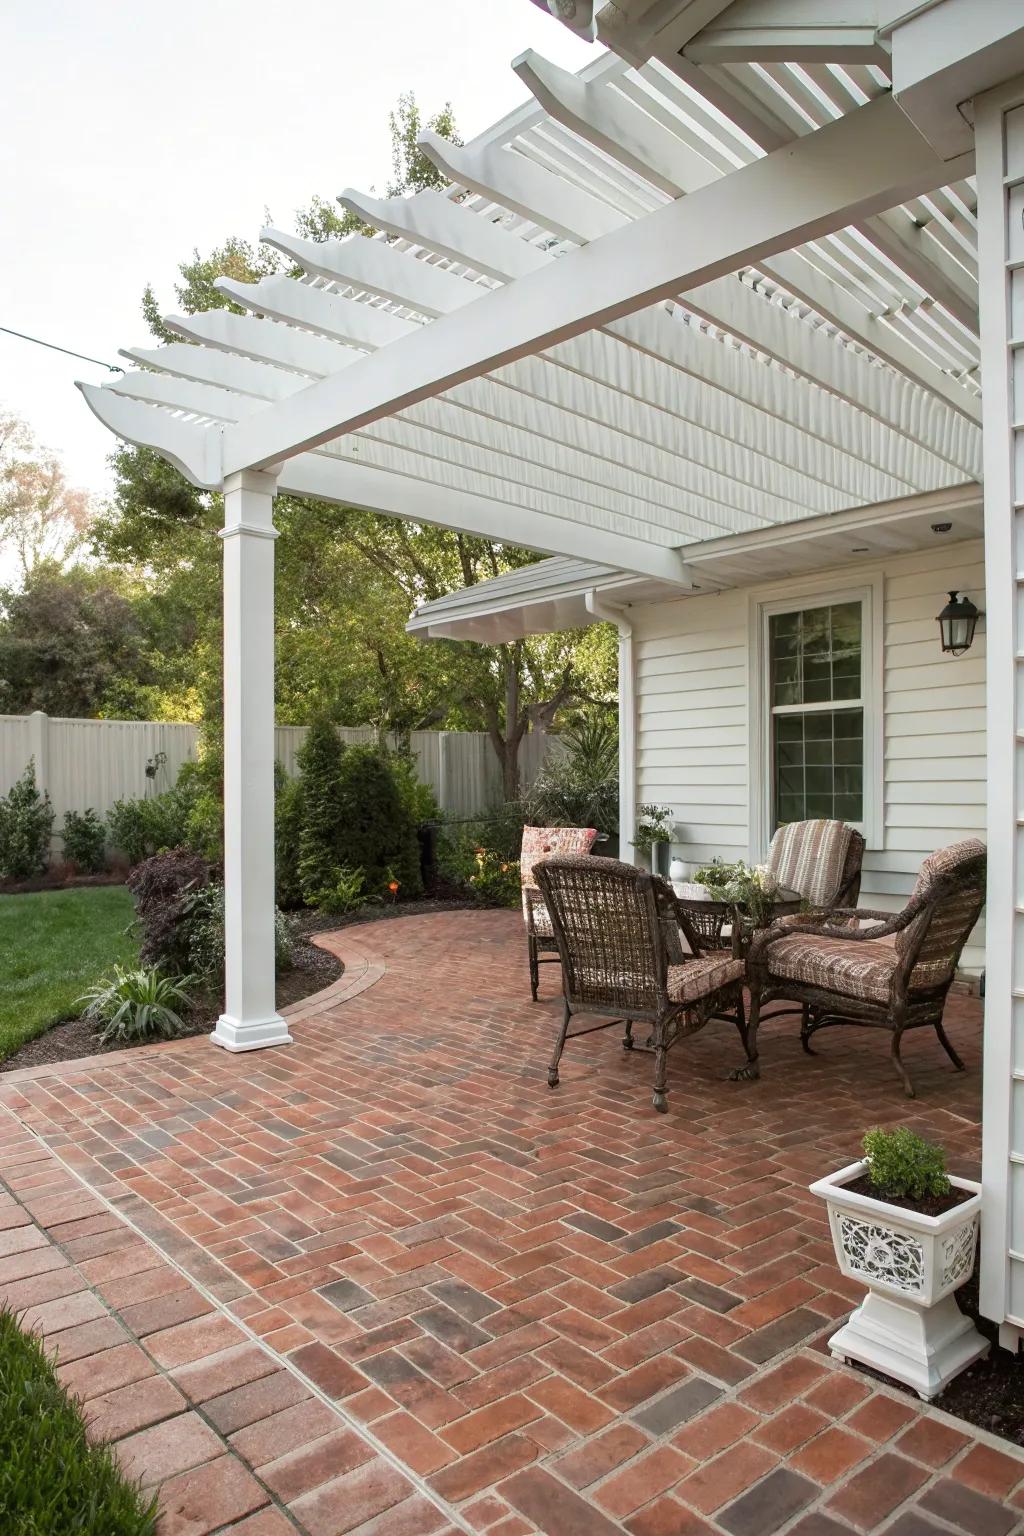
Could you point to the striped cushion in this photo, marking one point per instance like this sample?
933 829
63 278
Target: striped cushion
854 967
809 857
702 975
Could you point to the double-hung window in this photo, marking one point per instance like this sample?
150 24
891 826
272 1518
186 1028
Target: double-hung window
816 699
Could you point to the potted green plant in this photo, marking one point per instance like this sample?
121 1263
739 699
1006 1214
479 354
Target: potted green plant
752 888
652 832
909 1231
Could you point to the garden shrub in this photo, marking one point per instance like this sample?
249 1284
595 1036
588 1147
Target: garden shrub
163 887
85 840
189 815
418 798
202 925
141 828
26 820
495 881
288 811
903 1166
320 760
346 895
578 785
376 832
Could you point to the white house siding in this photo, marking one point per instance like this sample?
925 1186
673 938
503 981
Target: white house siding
693 666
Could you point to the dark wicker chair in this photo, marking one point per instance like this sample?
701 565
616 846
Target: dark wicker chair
617 930
820 860
843 974
543 843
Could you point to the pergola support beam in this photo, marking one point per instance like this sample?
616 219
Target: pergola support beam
250 1020
857 166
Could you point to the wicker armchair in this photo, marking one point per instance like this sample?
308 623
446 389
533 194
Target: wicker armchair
542 843
617 930
843 974
820 860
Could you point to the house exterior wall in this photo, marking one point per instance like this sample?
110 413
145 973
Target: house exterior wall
697 747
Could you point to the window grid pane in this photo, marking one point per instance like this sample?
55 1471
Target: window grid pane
815 655
818 766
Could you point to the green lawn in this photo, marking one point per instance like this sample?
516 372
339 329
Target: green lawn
54 945
52 1481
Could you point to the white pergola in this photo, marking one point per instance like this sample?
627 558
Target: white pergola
723 281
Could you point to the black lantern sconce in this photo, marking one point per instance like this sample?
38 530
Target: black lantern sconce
957 623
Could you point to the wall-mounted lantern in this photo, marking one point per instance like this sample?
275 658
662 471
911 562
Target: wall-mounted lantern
957 623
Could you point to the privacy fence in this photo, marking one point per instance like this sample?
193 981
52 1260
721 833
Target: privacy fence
84 763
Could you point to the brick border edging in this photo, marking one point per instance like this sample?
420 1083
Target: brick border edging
363 969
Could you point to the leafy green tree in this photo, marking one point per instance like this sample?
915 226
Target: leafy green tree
346 580
73 642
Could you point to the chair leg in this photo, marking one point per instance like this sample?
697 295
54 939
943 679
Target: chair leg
752 1071
531 948
559 1048
897 1061
627 1039
660 1067
805 1029
947 1047
741 1018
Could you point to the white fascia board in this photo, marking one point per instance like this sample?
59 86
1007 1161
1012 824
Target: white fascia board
937 504
859 165
398 495
791 32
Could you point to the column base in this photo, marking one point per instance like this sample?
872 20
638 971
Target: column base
925 1347
250 1034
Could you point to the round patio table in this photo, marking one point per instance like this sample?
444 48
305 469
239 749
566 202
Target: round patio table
710 916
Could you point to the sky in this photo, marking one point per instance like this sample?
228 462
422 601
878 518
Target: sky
135 131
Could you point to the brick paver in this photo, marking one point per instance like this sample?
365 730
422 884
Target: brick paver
550 1312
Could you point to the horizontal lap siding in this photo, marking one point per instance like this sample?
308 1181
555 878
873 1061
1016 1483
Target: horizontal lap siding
691 660
934 726
692 727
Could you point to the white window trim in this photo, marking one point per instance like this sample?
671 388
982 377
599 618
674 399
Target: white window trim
870 592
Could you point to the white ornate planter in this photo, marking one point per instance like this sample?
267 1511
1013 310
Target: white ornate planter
909 1325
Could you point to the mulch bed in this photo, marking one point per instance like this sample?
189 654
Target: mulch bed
62 877
313 970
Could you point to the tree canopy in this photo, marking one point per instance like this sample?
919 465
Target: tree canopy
346 579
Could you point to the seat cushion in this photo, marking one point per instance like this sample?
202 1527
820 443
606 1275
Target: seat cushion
541 920
702 975
860 968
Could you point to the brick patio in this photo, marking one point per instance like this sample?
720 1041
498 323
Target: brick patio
483 1306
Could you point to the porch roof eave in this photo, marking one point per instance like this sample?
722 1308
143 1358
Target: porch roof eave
552 594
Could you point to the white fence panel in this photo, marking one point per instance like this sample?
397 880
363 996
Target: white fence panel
83 763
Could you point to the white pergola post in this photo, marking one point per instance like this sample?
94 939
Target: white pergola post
999 131
627 721
250 1019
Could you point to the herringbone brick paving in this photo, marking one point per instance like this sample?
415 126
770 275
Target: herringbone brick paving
563 1312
